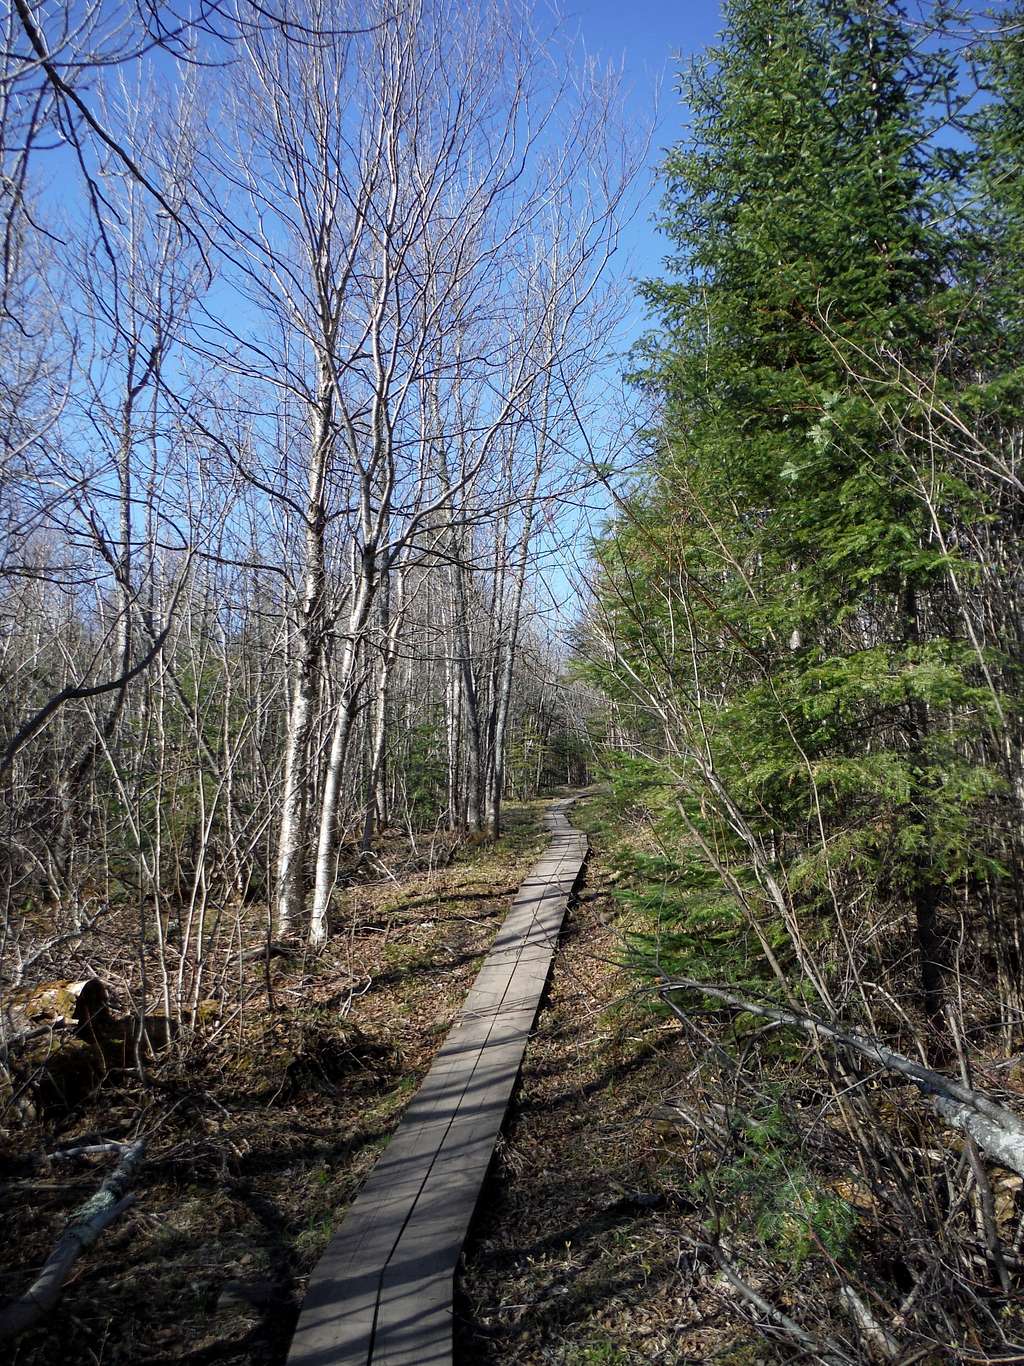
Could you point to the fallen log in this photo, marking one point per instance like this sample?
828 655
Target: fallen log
29 1013
15 1042
998 1132
81 1231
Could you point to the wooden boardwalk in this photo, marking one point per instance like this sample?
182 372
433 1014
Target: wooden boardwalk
382 1292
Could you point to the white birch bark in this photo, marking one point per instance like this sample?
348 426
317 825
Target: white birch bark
289 889
392 614
326 853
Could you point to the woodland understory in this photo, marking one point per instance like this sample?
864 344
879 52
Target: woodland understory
330 525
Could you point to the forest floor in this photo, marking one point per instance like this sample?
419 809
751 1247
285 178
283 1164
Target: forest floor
575 1255
259 1137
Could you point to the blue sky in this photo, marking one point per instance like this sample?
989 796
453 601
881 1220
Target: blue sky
653 38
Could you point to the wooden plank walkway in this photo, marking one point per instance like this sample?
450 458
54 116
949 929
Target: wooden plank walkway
382 1292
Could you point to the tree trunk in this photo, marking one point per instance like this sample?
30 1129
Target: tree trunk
290 878
391 623
925 891
327 842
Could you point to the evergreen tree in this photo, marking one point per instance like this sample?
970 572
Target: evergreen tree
817 694
997 276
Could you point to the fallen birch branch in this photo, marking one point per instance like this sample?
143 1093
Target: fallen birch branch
998 1132
85 1150
81 1231
881 1344
824 1349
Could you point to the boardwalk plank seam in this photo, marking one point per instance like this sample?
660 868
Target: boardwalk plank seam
381 1295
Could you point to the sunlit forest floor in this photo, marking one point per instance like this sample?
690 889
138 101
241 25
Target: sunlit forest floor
261 1132
587 1247
258 1133
575 1255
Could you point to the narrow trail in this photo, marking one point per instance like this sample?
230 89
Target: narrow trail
382 1292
